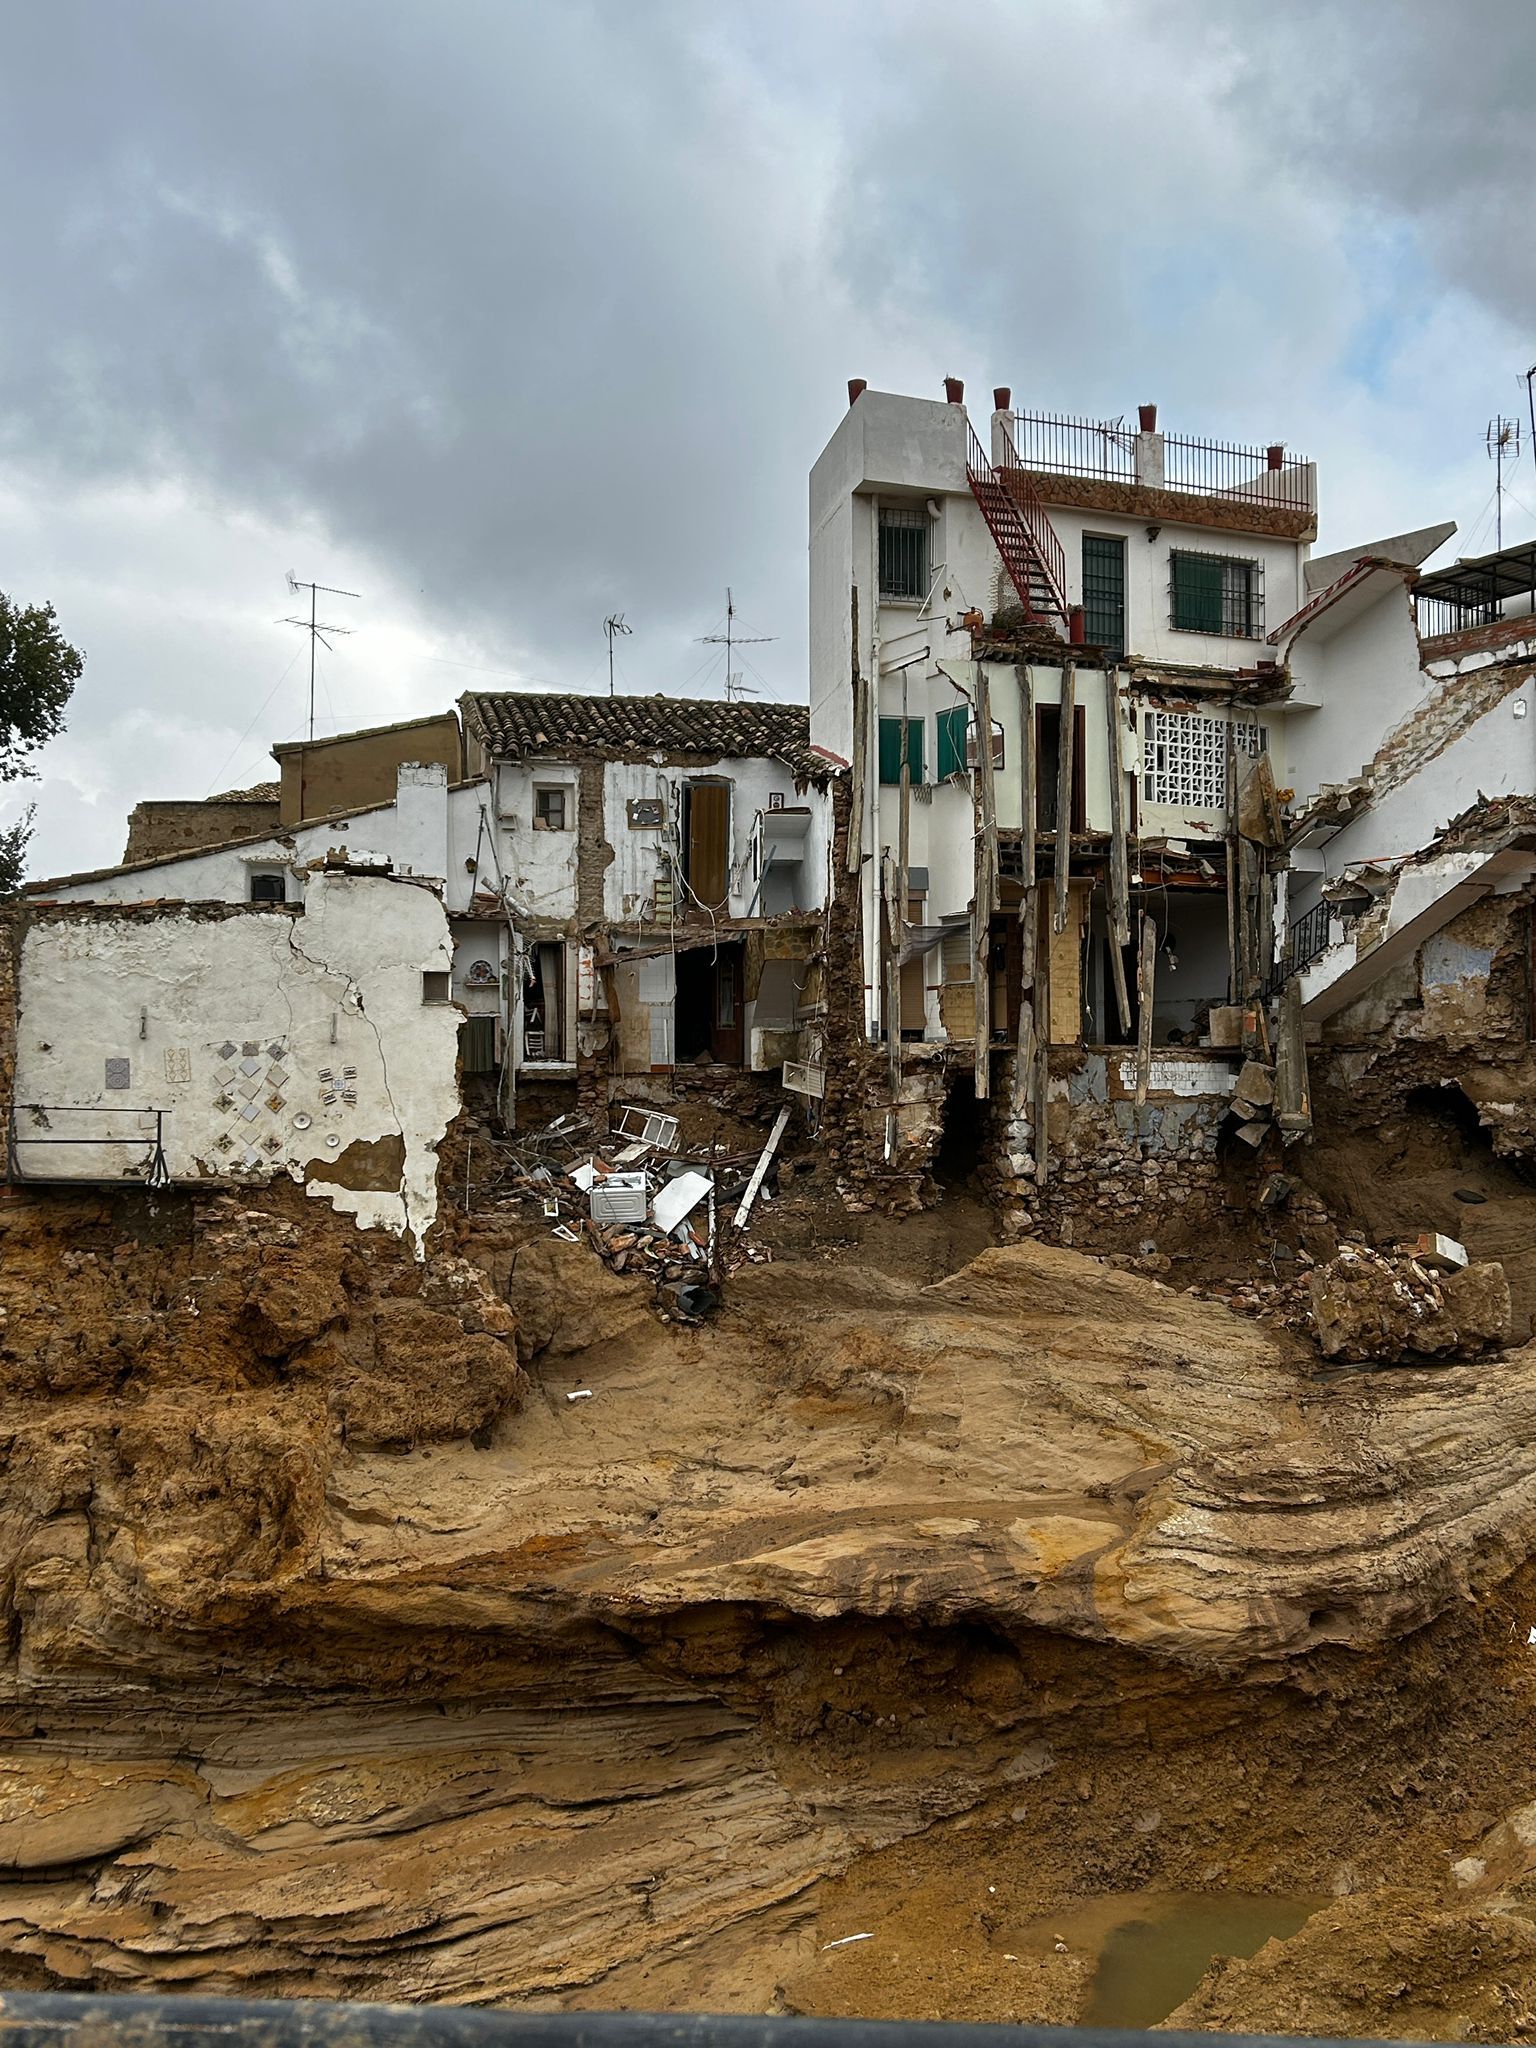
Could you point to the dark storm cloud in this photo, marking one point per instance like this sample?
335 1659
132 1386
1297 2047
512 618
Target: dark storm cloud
511 315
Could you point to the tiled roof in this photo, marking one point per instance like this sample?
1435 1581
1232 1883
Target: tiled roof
515 724
258 793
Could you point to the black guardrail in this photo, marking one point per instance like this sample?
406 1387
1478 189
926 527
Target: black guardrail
47 2020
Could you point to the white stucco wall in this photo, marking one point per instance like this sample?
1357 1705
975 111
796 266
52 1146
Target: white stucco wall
345 1051
419 834
1364 678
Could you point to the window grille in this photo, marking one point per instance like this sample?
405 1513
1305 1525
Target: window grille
1218 594
903 552
1184 757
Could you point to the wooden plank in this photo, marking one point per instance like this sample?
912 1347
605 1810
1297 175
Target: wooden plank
855 852
1024 1027
1064 791
765 1160
1146 974
1293 1090
1042 1074
986 776
1234 878
1258 806
1027 767
1119 881
981 947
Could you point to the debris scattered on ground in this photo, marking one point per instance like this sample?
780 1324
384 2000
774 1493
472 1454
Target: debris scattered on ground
1384 1307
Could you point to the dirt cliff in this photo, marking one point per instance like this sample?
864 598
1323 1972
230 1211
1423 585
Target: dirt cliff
461 1631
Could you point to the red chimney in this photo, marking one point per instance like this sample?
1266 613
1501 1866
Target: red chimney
954 390
1147 415
1002 398
1276 453
856 387
1077 626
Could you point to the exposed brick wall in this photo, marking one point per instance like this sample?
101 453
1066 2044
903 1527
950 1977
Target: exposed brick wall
155 829
1175 508
1454 704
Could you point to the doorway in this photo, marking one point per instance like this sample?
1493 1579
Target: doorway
543 1003
709 1005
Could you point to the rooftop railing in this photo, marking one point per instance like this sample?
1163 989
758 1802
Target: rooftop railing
1058 444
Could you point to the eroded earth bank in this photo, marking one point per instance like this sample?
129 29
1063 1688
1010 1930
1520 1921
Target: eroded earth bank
348 1654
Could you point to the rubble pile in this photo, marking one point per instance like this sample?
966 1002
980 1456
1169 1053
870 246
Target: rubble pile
643 1204
1425 1302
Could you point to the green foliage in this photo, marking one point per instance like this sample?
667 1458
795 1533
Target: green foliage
38 673
14 841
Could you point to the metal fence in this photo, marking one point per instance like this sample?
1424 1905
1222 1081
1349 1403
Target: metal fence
1226 469
1075 447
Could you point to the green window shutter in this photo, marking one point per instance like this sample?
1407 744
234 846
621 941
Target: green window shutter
915 748
1196 593
890 750
953 726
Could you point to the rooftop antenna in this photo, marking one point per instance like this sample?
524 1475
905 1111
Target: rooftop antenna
1501 439
613 625
735 688
315 629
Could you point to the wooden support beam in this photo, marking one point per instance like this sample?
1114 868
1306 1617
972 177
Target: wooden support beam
1025 1026
986 780
981 946
1119 881
1064 792
1042 1073
1234 878
1027 767
859 767
1293 1090
1146 975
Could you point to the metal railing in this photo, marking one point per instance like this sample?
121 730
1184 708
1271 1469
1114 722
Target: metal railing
156 1172
1436 615
1074 447
1226 469
1030 506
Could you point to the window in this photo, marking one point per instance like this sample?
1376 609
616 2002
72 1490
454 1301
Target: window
903 552
435 987
266 885
953 725
549 810
890 749
1104 591
1184 757
1216 594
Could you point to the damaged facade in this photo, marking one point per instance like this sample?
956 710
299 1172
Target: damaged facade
1098 944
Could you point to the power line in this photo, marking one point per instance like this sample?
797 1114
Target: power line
255 719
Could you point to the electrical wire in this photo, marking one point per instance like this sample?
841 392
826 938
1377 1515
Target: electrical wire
260 712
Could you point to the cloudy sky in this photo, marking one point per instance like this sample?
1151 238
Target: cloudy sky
509 316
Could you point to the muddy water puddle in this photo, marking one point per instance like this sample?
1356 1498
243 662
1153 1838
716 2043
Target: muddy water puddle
1150 1949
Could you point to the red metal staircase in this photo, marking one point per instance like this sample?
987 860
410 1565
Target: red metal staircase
1017 521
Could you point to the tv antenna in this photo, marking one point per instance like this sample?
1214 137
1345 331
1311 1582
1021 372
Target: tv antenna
613 625
730 639
315 629
1501 440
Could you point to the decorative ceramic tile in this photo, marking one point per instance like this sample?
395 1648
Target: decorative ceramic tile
228 1049
250 1111
118 1072
251 1156
250 1049
276 1076
274 1103
250 1065
224 1075
277 1050
223 1141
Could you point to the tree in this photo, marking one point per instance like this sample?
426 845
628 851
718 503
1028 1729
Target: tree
38 673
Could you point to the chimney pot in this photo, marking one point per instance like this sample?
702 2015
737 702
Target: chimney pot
1077 626
856 387
1147 415
1276 453
1002 398
954 390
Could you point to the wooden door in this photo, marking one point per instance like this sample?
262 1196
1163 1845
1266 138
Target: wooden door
709 818
726 1040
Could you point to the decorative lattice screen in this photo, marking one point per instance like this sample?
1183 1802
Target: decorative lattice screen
1184 757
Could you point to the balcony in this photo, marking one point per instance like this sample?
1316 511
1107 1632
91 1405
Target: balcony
1109 465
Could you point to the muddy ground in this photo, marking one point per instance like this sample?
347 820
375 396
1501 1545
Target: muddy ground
928 1592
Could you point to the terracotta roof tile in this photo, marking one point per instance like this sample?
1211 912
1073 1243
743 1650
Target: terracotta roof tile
515 724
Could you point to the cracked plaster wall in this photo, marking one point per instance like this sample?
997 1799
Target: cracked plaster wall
276 1041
